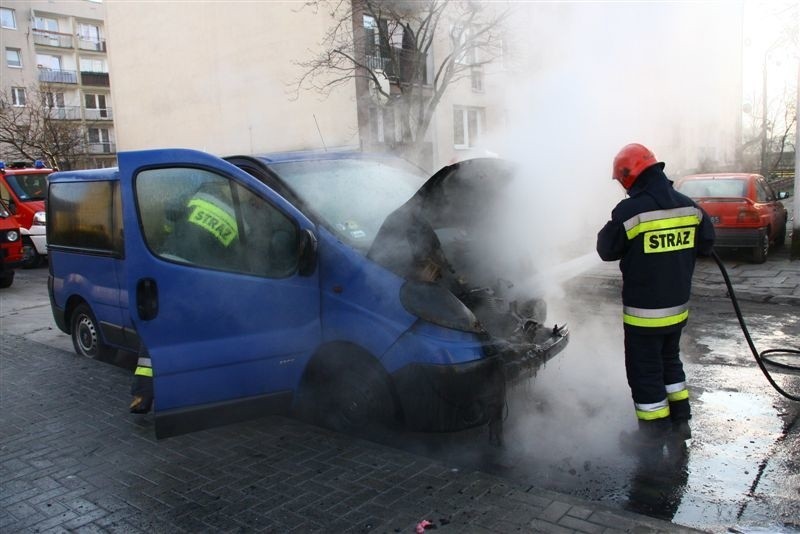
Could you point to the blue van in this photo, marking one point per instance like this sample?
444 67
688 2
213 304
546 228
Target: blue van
342 286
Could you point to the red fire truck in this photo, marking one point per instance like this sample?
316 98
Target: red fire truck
10 246
23 187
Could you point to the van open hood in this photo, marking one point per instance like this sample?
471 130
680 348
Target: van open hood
450 233
457 201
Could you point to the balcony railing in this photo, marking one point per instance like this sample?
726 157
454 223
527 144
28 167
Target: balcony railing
57 76
96 46
400 66
377 63
101 148
48 38
96 79
67 113
98 114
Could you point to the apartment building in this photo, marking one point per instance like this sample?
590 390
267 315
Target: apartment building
227 83
56 58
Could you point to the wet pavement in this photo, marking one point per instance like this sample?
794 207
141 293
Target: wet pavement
72 459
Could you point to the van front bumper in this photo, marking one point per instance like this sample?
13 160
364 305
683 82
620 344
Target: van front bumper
453 397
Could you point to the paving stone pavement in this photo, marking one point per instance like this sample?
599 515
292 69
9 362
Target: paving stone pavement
73 460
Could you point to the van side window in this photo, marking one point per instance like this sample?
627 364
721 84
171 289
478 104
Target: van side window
197 217
85 216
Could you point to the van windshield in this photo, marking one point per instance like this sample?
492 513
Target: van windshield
28 186
353 196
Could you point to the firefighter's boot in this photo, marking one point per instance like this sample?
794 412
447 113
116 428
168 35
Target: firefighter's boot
681 430
648 439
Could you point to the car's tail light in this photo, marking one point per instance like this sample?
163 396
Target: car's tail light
748 215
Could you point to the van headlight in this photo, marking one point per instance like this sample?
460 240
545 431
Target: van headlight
12 235
40 218
433 303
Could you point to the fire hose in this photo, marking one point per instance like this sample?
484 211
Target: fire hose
760 357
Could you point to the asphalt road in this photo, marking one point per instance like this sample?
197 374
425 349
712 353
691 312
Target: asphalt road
562 432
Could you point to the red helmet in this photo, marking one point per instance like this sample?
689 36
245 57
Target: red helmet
630 162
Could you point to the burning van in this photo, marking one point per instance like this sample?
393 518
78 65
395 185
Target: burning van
342 286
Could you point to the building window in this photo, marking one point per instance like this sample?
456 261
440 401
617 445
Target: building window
47 61
467 126
476 79
93 65
96 106
45 23
98 135
89 33
54 100
14 57
7 18
18 96
100 141
383 126
463 38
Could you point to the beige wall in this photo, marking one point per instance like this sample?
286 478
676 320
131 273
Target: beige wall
217 76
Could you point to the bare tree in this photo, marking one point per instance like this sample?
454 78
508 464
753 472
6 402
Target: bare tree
771 135
771 138
386 47
37 129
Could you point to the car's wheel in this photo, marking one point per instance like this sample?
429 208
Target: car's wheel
86 334
760 252
6 279
354 399
780 239
30 257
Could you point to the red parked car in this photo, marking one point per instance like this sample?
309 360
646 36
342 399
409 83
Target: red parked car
745 210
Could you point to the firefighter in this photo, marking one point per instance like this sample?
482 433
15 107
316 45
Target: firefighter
142 385
656 233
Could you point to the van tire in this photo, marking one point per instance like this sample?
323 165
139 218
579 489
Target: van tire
352 400
6 279
85 333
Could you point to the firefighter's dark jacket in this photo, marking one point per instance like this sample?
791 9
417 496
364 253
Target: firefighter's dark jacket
656 233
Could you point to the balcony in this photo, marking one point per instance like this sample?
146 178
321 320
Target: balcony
94 46
98 114
400 65
67 113
101 148
48 38
377 63
96 79
57 76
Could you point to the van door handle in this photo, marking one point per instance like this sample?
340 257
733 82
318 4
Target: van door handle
147 299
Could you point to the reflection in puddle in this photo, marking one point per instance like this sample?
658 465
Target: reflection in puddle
727 460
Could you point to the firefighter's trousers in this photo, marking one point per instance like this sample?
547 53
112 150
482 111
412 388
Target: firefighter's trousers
656 377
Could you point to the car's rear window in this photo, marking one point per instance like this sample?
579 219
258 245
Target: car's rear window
713 187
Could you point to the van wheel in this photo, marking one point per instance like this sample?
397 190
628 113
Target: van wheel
353 400
760 252
86 334
7 279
